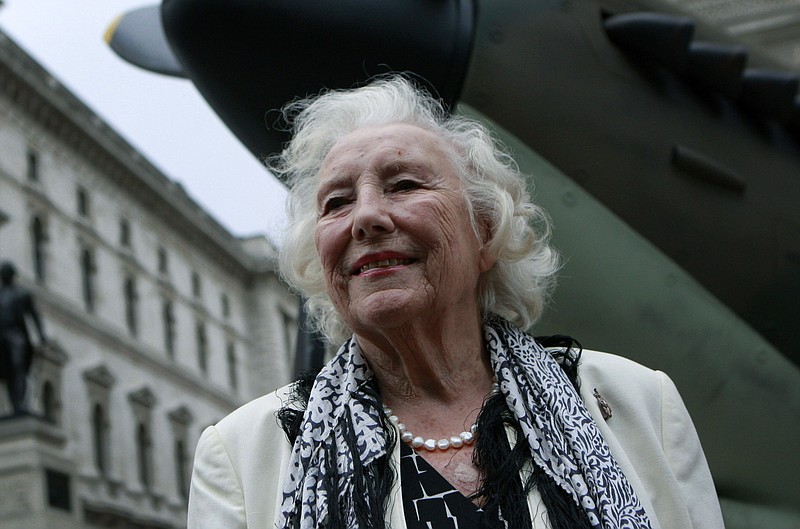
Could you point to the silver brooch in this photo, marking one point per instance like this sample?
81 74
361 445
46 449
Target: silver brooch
605 409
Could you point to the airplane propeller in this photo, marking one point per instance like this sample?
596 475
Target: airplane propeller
138 37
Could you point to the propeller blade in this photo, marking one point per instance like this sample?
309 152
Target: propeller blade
138 38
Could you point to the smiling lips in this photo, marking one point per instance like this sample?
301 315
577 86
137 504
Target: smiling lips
383 263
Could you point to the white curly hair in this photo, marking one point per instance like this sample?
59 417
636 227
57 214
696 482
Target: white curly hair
516 287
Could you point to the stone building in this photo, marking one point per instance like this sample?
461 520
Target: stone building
159 321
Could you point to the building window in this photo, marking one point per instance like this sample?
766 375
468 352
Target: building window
32 165
124 233
39 246
180 419
100 439
197 287
181 469
58 489
49 366
163 262
233 379
87 279
83 202
144 455
202 347
168 318
289 330
226 305
131 305
142 402
49 403
99 382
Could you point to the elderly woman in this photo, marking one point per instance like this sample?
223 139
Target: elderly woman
417 247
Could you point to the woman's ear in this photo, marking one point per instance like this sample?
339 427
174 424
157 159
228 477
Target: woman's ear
487 258
487 254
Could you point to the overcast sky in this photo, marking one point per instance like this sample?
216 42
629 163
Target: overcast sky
164 118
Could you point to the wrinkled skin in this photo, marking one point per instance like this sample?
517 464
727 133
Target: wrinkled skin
392 192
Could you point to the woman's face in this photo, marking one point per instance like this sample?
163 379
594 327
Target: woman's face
393 231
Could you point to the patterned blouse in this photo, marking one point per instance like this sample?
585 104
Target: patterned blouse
432 502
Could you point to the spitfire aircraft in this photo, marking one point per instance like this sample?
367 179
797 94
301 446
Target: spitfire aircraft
666 152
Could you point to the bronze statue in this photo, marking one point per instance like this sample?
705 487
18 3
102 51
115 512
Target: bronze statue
16 350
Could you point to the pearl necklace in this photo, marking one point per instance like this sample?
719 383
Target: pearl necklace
466 437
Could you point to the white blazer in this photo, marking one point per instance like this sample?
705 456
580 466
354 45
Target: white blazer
240 464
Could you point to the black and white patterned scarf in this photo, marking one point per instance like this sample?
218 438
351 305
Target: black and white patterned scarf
564 439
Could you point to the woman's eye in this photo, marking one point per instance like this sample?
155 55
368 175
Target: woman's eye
406 185
334 203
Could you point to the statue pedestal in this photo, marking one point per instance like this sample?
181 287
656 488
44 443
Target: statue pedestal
36 482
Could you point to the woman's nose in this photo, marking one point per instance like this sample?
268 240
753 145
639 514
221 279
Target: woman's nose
371 217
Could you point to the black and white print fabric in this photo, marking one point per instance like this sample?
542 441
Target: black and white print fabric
429 500
336 404
564 440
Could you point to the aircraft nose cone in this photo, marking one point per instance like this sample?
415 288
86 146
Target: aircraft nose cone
249 57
